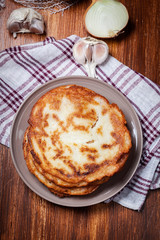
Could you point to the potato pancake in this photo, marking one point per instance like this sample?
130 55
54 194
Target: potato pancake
76 139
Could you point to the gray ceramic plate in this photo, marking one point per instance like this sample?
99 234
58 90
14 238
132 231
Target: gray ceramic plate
106 190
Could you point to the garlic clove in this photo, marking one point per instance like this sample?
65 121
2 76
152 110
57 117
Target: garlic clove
14 27
100 53
37 26
90 52
79 52
25 20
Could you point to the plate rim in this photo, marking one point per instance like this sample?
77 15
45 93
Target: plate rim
33 92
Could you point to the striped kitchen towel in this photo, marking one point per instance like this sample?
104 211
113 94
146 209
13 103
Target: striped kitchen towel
23 68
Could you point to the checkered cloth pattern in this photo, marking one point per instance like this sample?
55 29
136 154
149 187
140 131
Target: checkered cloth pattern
23 68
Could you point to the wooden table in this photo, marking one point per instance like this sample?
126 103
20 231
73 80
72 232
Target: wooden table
23 214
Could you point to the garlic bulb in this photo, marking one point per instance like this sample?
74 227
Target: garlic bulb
90 52
25 20
106 18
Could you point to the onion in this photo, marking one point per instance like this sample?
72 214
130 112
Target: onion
106 18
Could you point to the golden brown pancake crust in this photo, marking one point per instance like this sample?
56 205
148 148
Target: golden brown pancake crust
76 139
58 190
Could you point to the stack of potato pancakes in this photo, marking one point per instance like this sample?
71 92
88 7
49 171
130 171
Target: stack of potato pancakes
75 140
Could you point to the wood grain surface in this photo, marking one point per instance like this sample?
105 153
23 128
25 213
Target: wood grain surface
23 214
